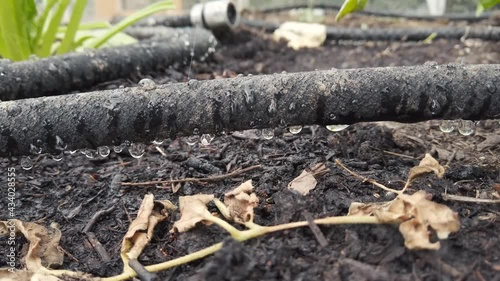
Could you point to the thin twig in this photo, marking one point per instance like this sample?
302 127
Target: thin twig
399 155
469 199
95 217
212 178
161 151
366 179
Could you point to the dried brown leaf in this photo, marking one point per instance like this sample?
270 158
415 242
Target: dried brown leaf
416 214
193 210
416 236
43 248
240 203
306 181
365 209
427 165
141 229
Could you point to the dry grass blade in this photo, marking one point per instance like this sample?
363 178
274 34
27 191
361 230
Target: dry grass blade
140 231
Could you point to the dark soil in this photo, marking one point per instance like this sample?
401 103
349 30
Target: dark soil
71 191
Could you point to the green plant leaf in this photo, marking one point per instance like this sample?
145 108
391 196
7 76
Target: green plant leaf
72 28
488 4
485 5
50 33
350 6
16 26
42 22
159 6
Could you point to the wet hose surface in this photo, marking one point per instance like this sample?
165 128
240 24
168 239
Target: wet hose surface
394 34
142 114
60 75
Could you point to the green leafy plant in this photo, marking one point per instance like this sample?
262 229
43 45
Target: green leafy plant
485 5
26 30
351 6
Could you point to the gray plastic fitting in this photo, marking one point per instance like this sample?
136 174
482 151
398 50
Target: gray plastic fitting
215 15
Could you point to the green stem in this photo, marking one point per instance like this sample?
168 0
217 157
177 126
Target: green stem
169 264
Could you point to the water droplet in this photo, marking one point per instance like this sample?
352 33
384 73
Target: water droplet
432 64
196 131
192 82
26 163
158 142
295 129
272 107
491 88
73 151
147 84
60 144
332 116
240 75
36 148
447 126
136 150
192 140
206 139
33 57
466 127
435 107
268 133
58 156
52 67
283 72
90 153
336 128
103 151
291 107
186 43
117 148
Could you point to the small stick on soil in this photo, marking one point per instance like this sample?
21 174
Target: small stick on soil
95 217
315 229
469 199
207 179
398 154
99 248
161 151
366 179
142 273
68 254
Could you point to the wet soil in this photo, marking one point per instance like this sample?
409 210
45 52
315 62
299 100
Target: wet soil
71 191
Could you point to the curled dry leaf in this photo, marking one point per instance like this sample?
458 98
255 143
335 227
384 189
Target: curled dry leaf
141 229
240 203
306 181
43 248
427 165
415 214
193 210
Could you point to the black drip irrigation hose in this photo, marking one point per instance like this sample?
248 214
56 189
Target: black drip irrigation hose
394 34
79 71
149 112
161 20
157 32
449 17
